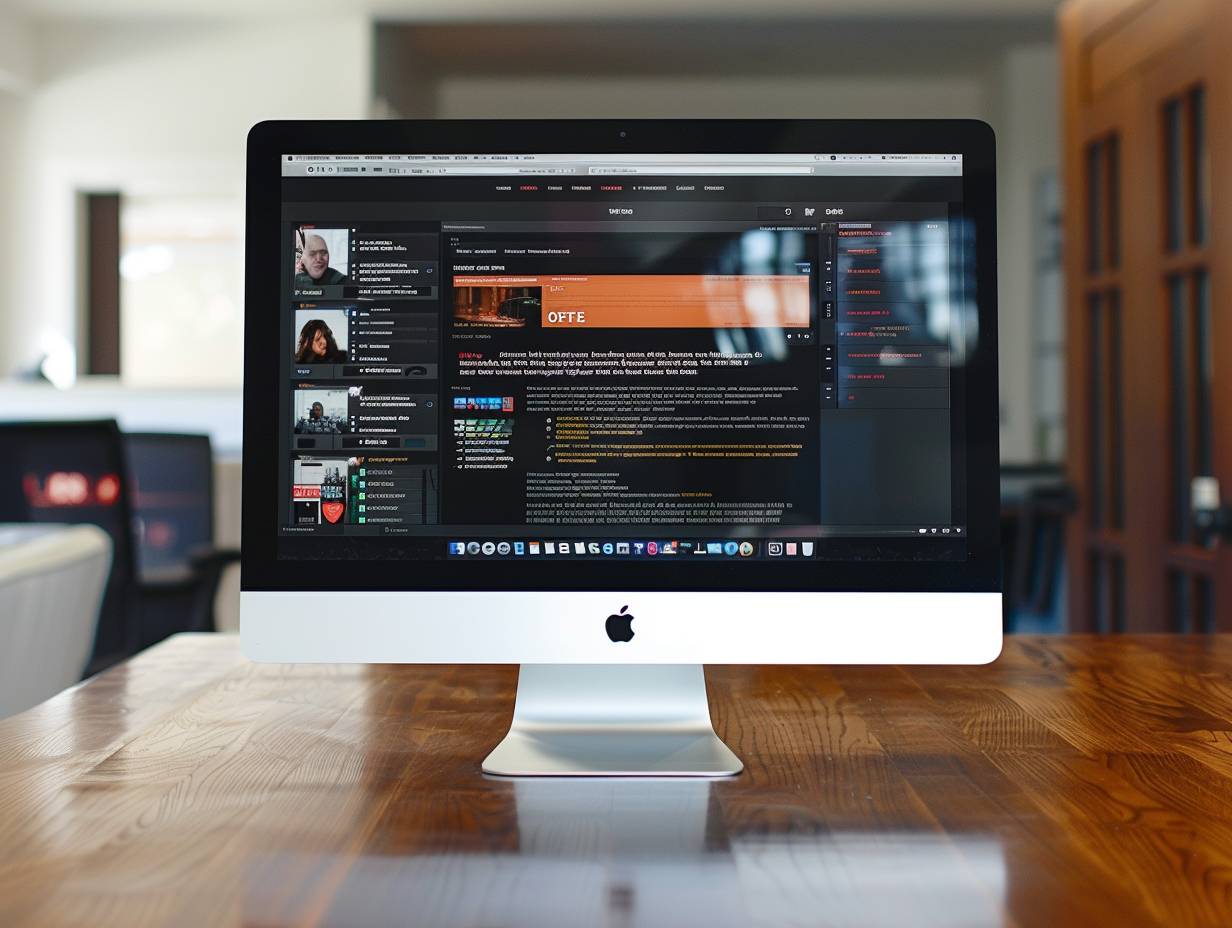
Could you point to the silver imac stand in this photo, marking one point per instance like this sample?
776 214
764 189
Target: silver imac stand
580 720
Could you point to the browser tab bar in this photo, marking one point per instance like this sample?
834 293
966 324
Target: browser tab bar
616 163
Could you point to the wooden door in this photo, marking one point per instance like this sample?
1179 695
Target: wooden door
1147 159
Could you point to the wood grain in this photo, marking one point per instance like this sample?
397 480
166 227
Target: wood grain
1077 781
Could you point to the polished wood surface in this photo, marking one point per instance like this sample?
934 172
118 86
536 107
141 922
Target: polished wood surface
1077 781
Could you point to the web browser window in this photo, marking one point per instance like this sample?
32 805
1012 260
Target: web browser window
615 356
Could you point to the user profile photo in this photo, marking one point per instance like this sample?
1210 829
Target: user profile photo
488 306
320 336
320 412
322 257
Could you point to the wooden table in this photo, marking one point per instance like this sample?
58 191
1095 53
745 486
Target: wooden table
1076 781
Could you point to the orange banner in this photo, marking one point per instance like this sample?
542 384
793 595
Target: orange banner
670 301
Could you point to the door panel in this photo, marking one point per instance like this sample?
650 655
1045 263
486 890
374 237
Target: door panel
1146 116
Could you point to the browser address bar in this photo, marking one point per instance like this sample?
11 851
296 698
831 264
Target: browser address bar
716 169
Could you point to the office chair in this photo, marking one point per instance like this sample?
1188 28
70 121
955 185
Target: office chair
178 567
152 494
1036 501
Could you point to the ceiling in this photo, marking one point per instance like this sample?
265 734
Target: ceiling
715 47
522 10
414 61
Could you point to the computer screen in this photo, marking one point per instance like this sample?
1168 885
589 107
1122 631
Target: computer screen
610 356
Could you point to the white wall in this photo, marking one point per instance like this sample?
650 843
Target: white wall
16 52
12 106
701 97
150 109
16 71
1028 143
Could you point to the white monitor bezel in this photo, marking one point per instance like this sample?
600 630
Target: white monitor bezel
501 627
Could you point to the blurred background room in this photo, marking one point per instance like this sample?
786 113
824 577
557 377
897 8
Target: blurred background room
121 249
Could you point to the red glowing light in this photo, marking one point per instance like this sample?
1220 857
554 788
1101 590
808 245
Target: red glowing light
66 488
63 489
107 490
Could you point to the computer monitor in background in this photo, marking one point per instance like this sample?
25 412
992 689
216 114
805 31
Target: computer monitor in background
173 502
613 400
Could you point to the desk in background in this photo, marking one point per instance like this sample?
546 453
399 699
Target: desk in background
1078 781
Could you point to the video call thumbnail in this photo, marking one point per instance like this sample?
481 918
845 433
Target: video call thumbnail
320 411
496 306
319 490
322 257
369 415
368 490
321 336
371 263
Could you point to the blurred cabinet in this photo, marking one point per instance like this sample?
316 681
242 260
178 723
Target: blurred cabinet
1147 100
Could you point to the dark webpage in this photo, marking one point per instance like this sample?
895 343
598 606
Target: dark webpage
669 378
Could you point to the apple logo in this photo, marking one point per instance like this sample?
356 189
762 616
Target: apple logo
620 625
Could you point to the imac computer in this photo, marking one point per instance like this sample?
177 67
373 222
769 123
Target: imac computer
612 400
